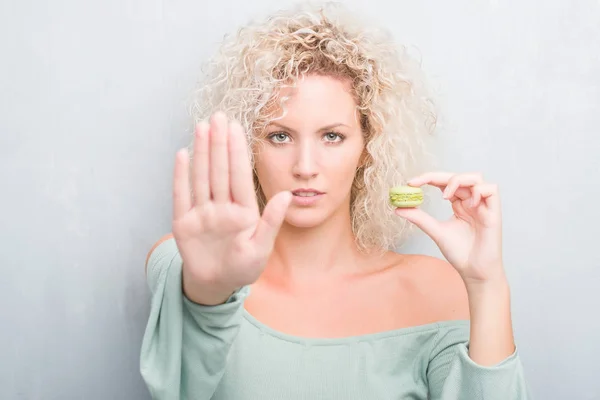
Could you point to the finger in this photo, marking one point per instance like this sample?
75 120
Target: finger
422 219
433 178
240 169
219 165
490 194
181 185
271 220
461 180
476 196
461 194
446 181
469 197
200 165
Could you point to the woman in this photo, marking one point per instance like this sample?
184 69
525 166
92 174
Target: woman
279 280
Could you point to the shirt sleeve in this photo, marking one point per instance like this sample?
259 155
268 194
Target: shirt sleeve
185 344
453 375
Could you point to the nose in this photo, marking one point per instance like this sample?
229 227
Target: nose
305 166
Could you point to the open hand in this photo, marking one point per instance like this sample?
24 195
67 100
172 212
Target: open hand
222 238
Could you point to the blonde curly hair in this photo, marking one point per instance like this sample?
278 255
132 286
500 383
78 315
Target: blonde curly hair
397 115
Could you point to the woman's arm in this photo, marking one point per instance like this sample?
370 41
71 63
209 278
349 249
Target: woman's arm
471 241
184 339
491 337
453 375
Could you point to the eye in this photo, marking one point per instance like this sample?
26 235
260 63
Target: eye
278 137
333 137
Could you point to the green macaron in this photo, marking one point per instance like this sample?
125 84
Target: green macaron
406 196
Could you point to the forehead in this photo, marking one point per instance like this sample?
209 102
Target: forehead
318 99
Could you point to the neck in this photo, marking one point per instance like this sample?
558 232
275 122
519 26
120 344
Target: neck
325 251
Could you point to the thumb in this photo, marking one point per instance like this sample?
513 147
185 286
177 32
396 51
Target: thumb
423 220
271 220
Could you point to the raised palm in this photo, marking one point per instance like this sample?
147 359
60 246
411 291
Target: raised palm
221 236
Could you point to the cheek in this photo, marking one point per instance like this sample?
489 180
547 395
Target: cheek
270 168
342 166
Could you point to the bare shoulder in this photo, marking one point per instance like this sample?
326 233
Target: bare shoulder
154 246
437 286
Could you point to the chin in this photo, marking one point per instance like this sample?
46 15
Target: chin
304 218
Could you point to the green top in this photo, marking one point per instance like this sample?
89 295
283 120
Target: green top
190 351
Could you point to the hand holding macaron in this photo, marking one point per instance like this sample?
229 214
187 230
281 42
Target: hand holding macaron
471 239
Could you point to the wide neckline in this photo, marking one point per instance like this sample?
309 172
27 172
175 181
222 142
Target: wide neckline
368 337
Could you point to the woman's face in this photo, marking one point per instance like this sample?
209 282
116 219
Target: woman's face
315 147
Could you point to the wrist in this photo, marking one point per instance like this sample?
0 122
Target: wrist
490 299
495 281
206 293
499 284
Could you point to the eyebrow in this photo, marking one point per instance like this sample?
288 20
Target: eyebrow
325 128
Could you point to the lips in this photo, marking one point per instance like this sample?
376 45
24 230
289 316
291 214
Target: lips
306 192
306 197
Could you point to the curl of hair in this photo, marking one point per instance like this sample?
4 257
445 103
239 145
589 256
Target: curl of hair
397 116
